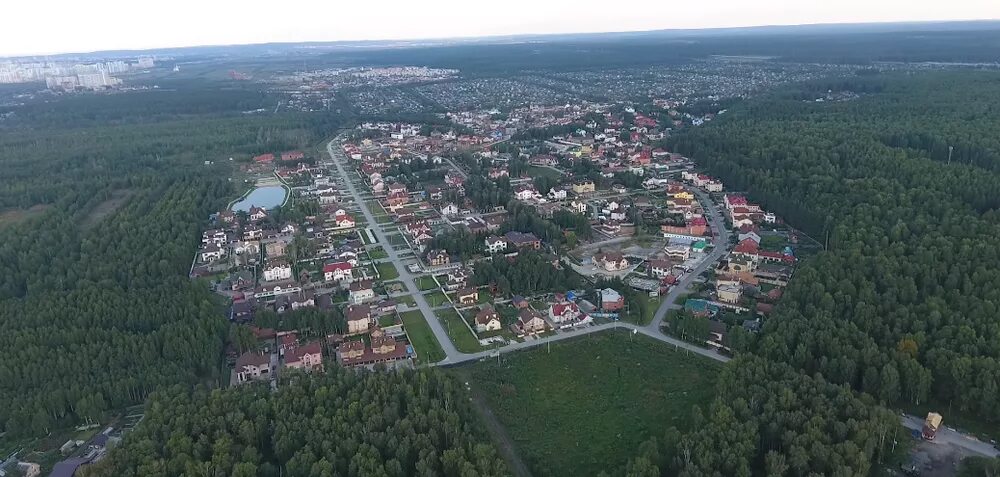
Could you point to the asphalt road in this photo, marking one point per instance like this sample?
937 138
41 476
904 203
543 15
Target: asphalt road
404 274
947 436
722 234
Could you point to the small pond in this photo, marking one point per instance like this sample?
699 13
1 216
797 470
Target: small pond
267 197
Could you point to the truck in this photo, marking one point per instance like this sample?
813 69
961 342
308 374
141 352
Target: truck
931 426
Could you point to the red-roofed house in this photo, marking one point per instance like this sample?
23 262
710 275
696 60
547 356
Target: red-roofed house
264 158
338 272
563 312
308 357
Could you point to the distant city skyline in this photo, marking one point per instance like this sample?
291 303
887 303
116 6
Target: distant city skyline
62 26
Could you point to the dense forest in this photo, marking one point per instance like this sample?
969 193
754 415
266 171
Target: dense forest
342 423
903 303
769 419
99 218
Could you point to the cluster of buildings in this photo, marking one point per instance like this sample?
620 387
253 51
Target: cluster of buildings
64 76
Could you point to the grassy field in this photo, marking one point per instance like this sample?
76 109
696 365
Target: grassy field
424 343
436 298
584 406
408 299
535 171
459 332
377 253
387 271
425 283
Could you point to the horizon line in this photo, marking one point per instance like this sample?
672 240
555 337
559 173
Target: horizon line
466 38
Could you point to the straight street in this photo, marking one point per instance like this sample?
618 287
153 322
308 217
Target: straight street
338 159
720 249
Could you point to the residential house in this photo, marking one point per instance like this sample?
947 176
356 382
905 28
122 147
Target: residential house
529 322
339 272
247 247
660 268
729 293
277 270
212 252
678 252
611 300
449 210
308 357
487 319
584 187
564 312
437 258
253 366
457 278
468 296
359 319
523 240
611 261
278 248
557 194
525 193
361 291
496 244
252 232
257 214
579 207
215 236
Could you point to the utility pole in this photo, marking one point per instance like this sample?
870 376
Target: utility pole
950 150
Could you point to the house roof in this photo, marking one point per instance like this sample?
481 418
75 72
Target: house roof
296 355
333 267
358 312
486 315
252 358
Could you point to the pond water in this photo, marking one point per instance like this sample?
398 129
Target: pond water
267 197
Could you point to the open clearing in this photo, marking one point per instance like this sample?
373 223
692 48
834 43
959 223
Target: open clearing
15 215
585 406
106 208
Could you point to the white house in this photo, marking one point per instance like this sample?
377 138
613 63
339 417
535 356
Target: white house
496 244
338 272
361 292
277 270
212 252
449 210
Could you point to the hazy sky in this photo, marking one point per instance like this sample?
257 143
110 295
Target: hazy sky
52 26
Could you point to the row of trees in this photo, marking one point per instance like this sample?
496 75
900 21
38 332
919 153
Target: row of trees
338 423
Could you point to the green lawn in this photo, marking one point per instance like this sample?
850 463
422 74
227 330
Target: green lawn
459 332
424 343
377 253
436 298
585 405
535 171
387 271
408 299
651 305
387 320
425 283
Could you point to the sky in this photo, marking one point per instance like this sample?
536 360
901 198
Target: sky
61 26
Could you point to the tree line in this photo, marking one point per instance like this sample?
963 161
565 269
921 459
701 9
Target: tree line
341 422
